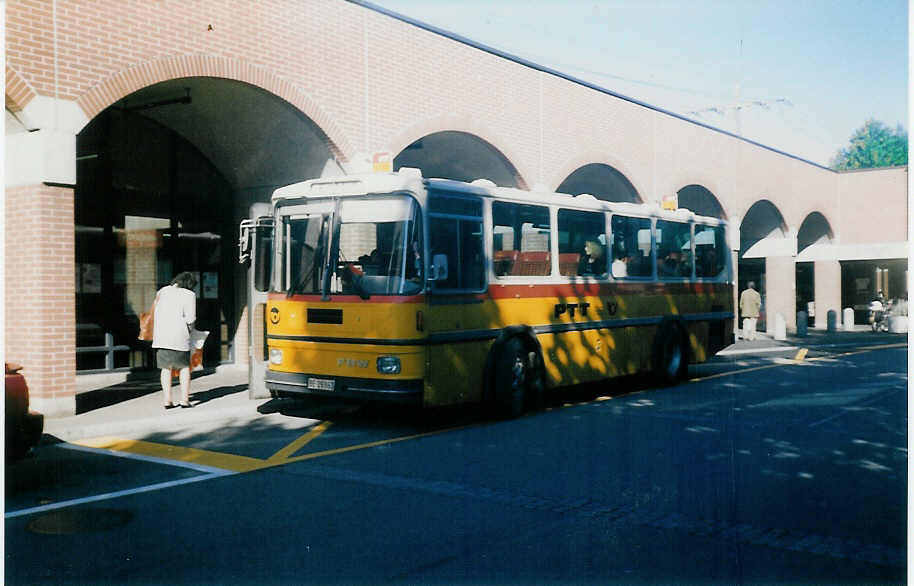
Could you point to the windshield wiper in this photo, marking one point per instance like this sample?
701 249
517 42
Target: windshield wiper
333 251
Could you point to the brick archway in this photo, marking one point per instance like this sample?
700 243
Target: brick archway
463 124
584 159
18 91
125 82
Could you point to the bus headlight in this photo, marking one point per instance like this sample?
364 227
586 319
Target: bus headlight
389 365
275 356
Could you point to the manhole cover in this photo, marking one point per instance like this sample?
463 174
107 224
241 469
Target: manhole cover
79 521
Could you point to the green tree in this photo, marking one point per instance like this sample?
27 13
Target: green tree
873 145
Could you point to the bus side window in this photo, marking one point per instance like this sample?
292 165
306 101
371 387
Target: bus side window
710 250
674 250
521 240
582 243
631 249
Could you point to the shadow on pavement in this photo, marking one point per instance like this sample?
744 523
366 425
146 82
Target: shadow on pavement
138 384
200 397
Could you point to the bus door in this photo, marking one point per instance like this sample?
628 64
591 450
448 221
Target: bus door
457 308
256 250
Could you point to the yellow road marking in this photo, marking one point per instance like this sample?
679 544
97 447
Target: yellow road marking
766 366
242 463
385 442
178 453
801 354
290 449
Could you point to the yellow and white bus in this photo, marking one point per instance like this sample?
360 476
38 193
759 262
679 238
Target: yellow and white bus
436 292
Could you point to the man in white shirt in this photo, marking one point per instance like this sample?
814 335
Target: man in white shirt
175 314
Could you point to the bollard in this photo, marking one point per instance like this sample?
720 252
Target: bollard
848 319
780 327
802 324
832 320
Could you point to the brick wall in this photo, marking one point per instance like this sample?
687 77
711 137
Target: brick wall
40 292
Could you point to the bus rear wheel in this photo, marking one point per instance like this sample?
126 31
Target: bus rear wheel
513 379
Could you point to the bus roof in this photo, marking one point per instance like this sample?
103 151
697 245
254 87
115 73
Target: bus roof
408 179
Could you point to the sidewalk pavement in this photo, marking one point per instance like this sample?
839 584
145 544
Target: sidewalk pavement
128 405
132 405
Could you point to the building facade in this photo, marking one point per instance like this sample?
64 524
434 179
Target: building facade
138 135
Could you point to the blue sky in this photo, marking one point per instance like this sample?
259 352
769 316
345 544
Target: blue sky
807 72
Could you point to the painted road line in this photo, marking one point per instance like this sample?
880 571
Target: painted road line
218 460
365 446
756 350
298 444
800 355
792 363
113 495
142 458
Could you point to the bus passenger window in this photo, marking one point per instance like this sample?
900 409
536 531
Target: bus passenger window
674 250
521 240
582 243
631 249
710 250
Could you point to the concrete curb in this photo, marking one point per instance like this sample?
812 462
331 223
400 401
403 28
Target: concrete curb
71 429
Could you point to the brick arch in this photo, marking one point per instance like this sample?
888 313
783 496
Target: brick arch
596 158
683 178
796 220
18 91
466 125
127 81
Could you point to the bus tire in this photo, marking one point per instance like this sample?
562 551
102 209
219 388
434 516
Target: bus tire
511 378
671 356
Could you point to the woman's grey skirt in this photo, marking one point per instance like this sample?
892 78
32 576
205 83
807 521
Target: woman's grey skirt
166 358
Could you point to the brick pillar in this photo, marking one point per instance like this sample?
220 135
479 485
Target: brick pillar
780 292
40 294
827 290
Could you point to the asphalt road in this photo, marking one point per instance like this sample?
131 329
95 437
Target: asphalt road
762 469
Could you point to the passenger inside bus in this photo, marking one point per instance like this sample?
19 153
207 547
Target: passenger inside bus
593 261
620 265
671 265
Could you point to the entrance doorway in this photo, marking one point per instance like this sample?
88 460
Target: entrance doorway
148 205
753 269
806 290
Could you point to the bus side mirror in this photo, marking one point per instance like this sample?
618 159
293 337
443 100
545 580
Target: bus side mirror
255 249
263 256
438 270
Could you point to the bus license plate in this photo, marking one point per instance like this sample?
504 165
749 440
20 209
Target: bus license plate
321 384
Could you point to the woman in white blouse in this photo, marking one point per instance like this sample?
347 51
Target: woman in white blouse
175 314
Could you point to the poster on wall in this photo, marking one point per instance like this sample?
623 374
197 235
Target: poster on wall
92 278
210 285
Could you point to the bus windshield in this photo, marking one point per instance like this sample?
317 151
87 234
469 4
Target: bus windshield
354 246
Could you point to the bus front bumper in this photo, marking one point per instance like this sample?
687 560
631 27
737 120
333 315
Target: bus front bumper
409 392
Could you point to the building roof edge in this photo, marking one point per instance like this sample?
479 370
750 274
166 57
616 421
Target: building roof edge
527 63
